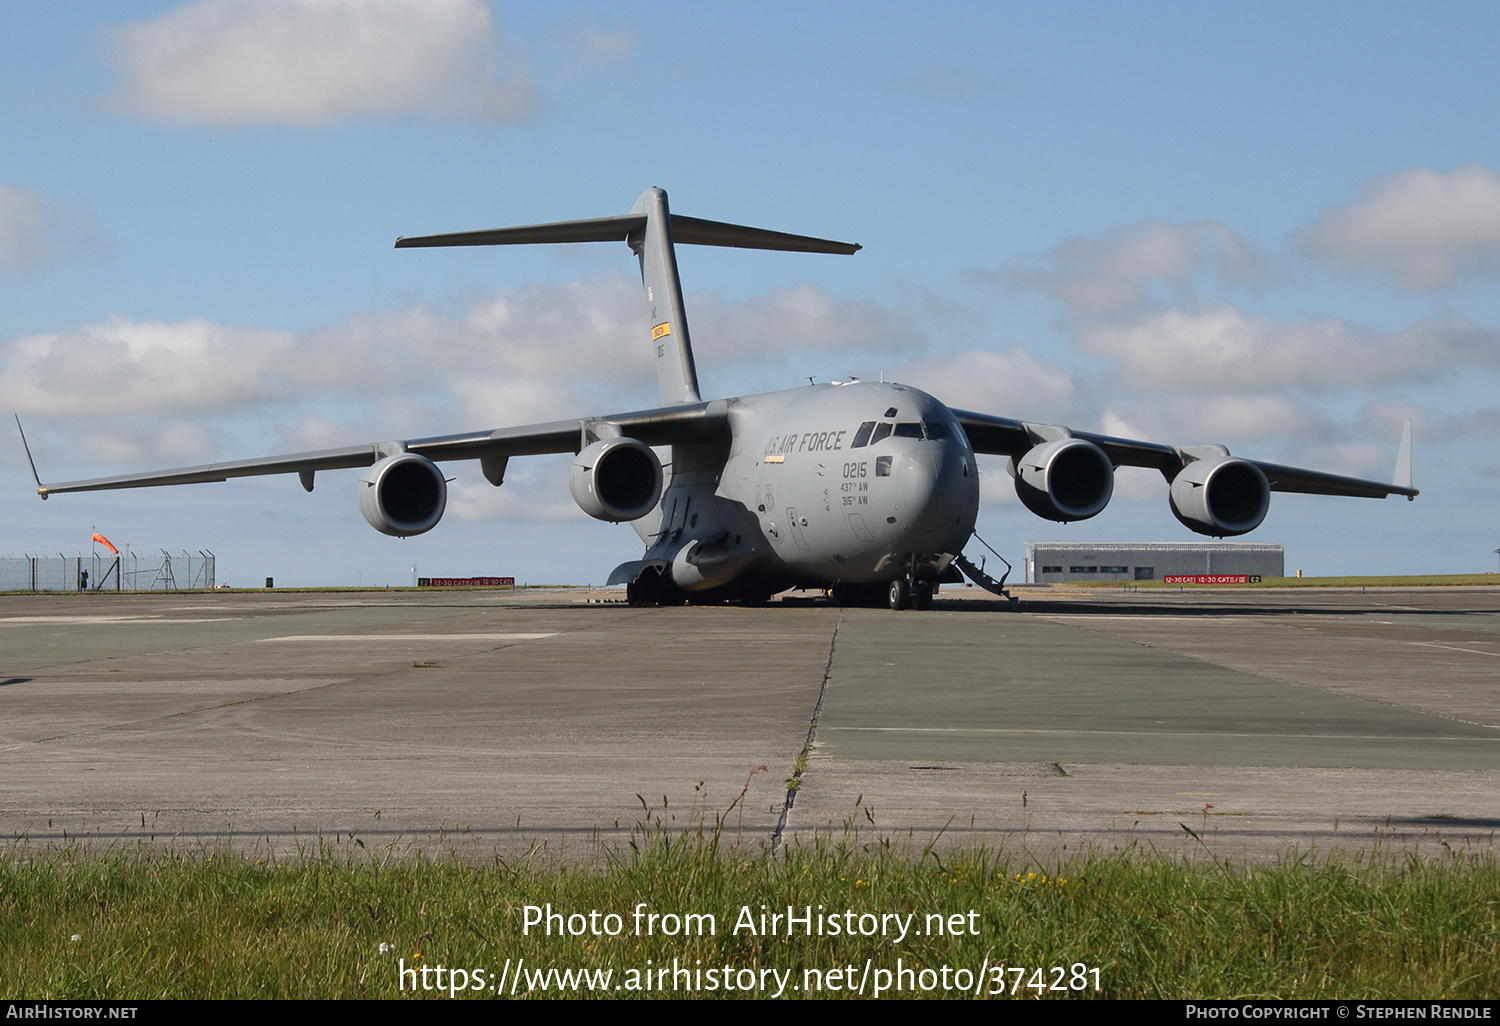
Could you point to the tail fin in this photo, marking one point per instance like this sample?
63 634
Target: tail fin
649 229
652 244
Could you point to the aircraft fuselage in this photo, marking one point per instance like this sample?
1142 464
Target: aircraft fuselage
860 483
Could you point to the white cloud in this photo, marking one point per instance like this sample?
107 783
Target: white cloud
124 440
535 491
583 332
23 240
1216 419
315 62
1014 383
798 318
1387 416
1485 423
126 366
1424 228
1374 460
312 431
1125 269
520 356
594 330
1224 349
1257 426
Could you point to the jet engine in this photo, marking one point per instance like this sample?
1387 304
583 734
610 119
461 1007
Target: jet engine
403 495
1069 479
1223 496
616 479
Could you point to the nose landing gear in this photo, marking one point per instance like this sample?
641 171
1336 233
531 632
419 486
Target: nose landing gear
899 596
905 593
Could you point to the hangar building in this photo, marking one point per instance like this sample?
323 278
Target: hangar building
1056 562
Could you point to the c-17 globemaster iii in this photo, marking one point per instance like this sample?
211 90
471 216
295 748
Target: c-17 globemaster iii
868 489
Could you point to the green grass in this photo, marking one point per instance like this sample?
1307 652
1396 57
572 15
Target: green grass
136 924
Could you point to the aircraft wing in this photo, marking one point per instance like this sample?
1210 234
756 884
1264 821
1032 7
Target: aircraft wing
687 422
1001 436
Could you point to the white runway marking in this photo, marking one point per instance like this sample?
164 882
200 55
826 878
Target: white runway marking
1455 648
411 637
1091 616
30 621
1162 733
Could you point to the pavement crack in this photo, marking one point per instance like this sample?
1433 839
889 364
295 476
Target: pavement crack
794 783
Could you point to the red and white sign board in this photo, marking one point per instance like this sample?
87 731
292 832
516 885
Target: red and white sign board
1211 579
467 582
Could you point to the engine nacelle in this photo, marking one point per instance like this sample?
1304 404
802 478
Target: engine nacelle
1223 496
616 479
403 495
1069 479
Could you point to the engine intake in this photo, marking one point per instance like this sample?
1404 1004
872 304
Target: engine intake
1069 479
616 479
403 495
1223 497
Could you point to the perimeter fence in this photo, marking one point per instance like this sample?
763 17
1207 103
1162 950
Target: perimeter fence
128 571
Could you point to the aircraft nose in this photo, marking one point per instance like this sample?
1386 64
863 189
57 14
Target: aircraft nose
935 496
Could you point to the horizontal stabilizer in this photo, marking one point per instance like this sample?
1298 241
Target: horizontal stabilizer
691 230
593 229
698 232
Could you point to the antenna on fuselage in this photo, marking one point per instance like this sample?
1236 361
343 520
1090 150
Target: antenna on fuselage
651 231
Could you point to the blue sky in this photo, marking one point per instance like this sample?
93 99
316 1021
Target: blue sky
1273 226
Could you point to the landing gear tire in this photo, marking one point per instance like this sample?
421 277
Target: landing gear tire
921 595
899 595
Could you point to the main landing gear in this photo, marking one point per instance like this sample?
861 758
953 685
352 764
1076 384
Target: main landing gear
654 589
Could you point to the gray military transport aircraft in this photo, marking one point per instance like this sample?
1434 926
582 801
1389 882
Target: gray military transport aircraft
868 489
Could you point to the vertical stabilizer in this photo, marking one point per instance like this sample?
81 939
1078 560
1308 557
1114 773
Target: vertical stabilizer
649 229
652 243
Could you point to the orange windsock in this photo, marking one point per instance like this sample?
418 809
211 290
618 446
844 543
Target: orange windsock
106 543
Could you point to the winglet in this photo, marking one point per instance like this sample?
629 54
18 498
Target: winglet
1403 460
41 489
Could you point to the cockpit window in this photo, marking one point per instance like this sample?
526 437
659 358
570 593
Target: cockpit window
862 436
925 429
